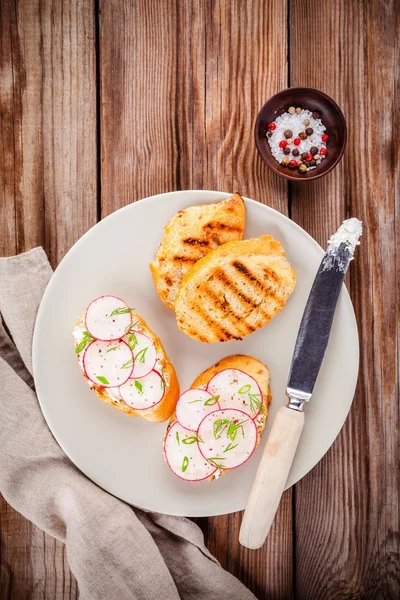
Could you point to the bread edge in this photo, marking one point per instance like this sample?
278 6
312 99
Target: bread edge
235 361
161 411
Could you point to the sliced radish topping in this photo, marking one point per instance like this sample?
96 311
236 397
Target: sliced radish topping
108 318
183 456
227 438
108 364
143 393
193 406
237 390
144 351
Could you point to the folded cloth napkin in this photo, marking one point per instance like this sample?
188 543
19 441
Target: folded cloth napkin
115 551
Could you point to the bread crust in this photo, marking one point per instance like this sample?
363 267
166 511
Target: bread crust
234 290
189 236
161 411
253 367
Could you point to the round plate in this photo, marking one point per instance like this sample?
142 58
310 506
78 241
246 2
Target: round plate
122 454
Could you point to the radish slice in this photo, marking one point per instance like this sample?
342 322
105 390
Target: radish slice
144 352
237 390
181 451
227 438
193 406
108 364
108 318
143 393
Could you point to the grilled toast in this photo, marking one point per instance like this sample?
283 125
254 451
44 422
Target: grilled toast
234 290
189 236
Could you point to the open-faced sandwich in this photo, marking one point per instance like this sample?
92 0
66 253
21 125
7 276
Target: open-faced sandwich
124 361
218 422
190 235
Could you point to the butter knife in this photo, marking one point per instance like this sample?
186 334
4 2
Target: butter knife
312 341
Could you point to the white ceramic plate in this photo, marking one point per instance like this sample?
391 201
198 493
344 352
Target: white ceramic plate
124 454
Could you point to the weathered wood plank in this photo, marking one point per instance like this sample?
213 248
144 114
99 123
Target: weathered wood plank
138 66
229 73
180 89
347 521
48 196
69 122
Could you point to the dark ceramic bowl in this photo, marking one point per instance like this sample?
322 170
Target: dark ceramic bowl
331 116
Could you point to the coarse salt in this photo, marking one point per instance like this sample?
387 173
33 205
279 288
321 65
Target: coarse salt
294 122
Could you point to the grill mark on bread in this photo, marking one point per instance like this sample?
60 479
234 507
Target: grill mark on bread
217 225
271 273
187 259
222 333
196 242
223 276
255 281
226 307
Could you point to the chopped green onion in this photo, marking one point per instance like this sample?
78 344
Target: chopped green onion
193 401
128 364
230 447
102 379
214 462
140 356
163 381
177 438
121 311
232 431
244 389
211 401
190 440
87 339
139 386
218 427
185 464
132 341
256 404
112 348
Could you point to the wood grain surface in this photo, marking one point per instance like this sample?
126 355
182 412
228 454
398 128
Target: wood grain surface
103 103
355 523
48 197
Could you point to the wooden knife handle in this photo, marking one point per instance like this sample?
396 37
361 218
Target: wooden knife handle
271 477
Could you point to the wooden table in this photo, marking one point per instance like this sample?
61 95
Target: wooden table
104 104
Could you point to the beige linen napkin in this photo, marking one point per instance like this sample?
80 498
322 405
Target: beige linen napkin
115 551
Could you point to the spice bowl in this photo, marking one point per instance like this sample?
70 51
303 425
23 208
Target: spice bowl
324 109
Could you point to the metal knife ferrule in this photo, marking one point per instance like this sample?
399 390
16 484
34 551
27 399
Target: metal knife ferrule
297 398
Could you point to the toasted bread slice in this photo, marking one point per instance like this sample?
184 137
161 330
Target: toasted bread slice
244 364
189 236
165 407
234 290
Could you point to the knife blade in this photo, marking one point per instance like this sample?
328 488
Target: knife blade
312 341
315 327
